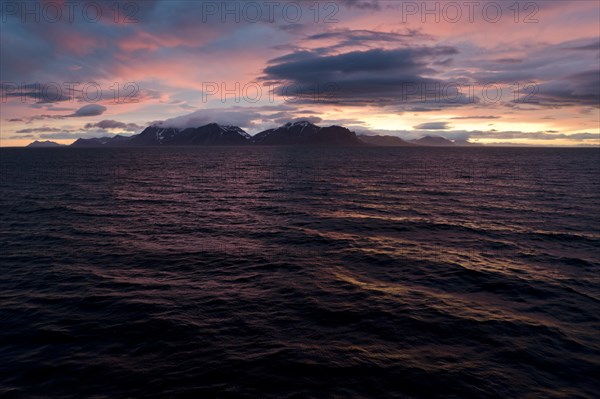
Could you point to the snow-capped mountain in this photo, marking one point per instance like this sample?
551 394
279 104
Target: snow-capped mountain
154 135
298 133
211 134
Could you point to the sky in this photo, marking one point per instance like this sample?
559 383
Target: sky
493 72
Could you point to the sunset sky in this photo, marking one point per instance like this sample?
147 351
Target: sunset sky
377 67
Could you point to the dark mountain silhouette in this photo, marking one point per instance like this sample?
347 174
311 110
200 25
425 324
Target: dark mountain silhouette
291 134
45 144
298 133
211 134
385 141
154 135
305 133
433 141
115 141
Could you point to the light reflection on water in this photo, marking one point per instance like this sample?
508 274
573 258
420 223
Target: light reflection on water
274 272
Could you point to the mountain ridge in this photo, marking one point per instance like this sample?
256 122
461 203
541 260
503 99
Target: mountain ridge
45 144
292 133
300 133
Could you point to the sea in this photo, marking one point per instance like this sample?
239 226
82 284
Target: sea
299 272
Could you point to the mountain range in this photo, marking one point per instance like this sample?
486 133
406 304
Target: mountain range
302 133
297 133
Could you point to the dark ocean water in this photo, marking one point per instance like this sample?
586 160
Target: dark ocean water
300 273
